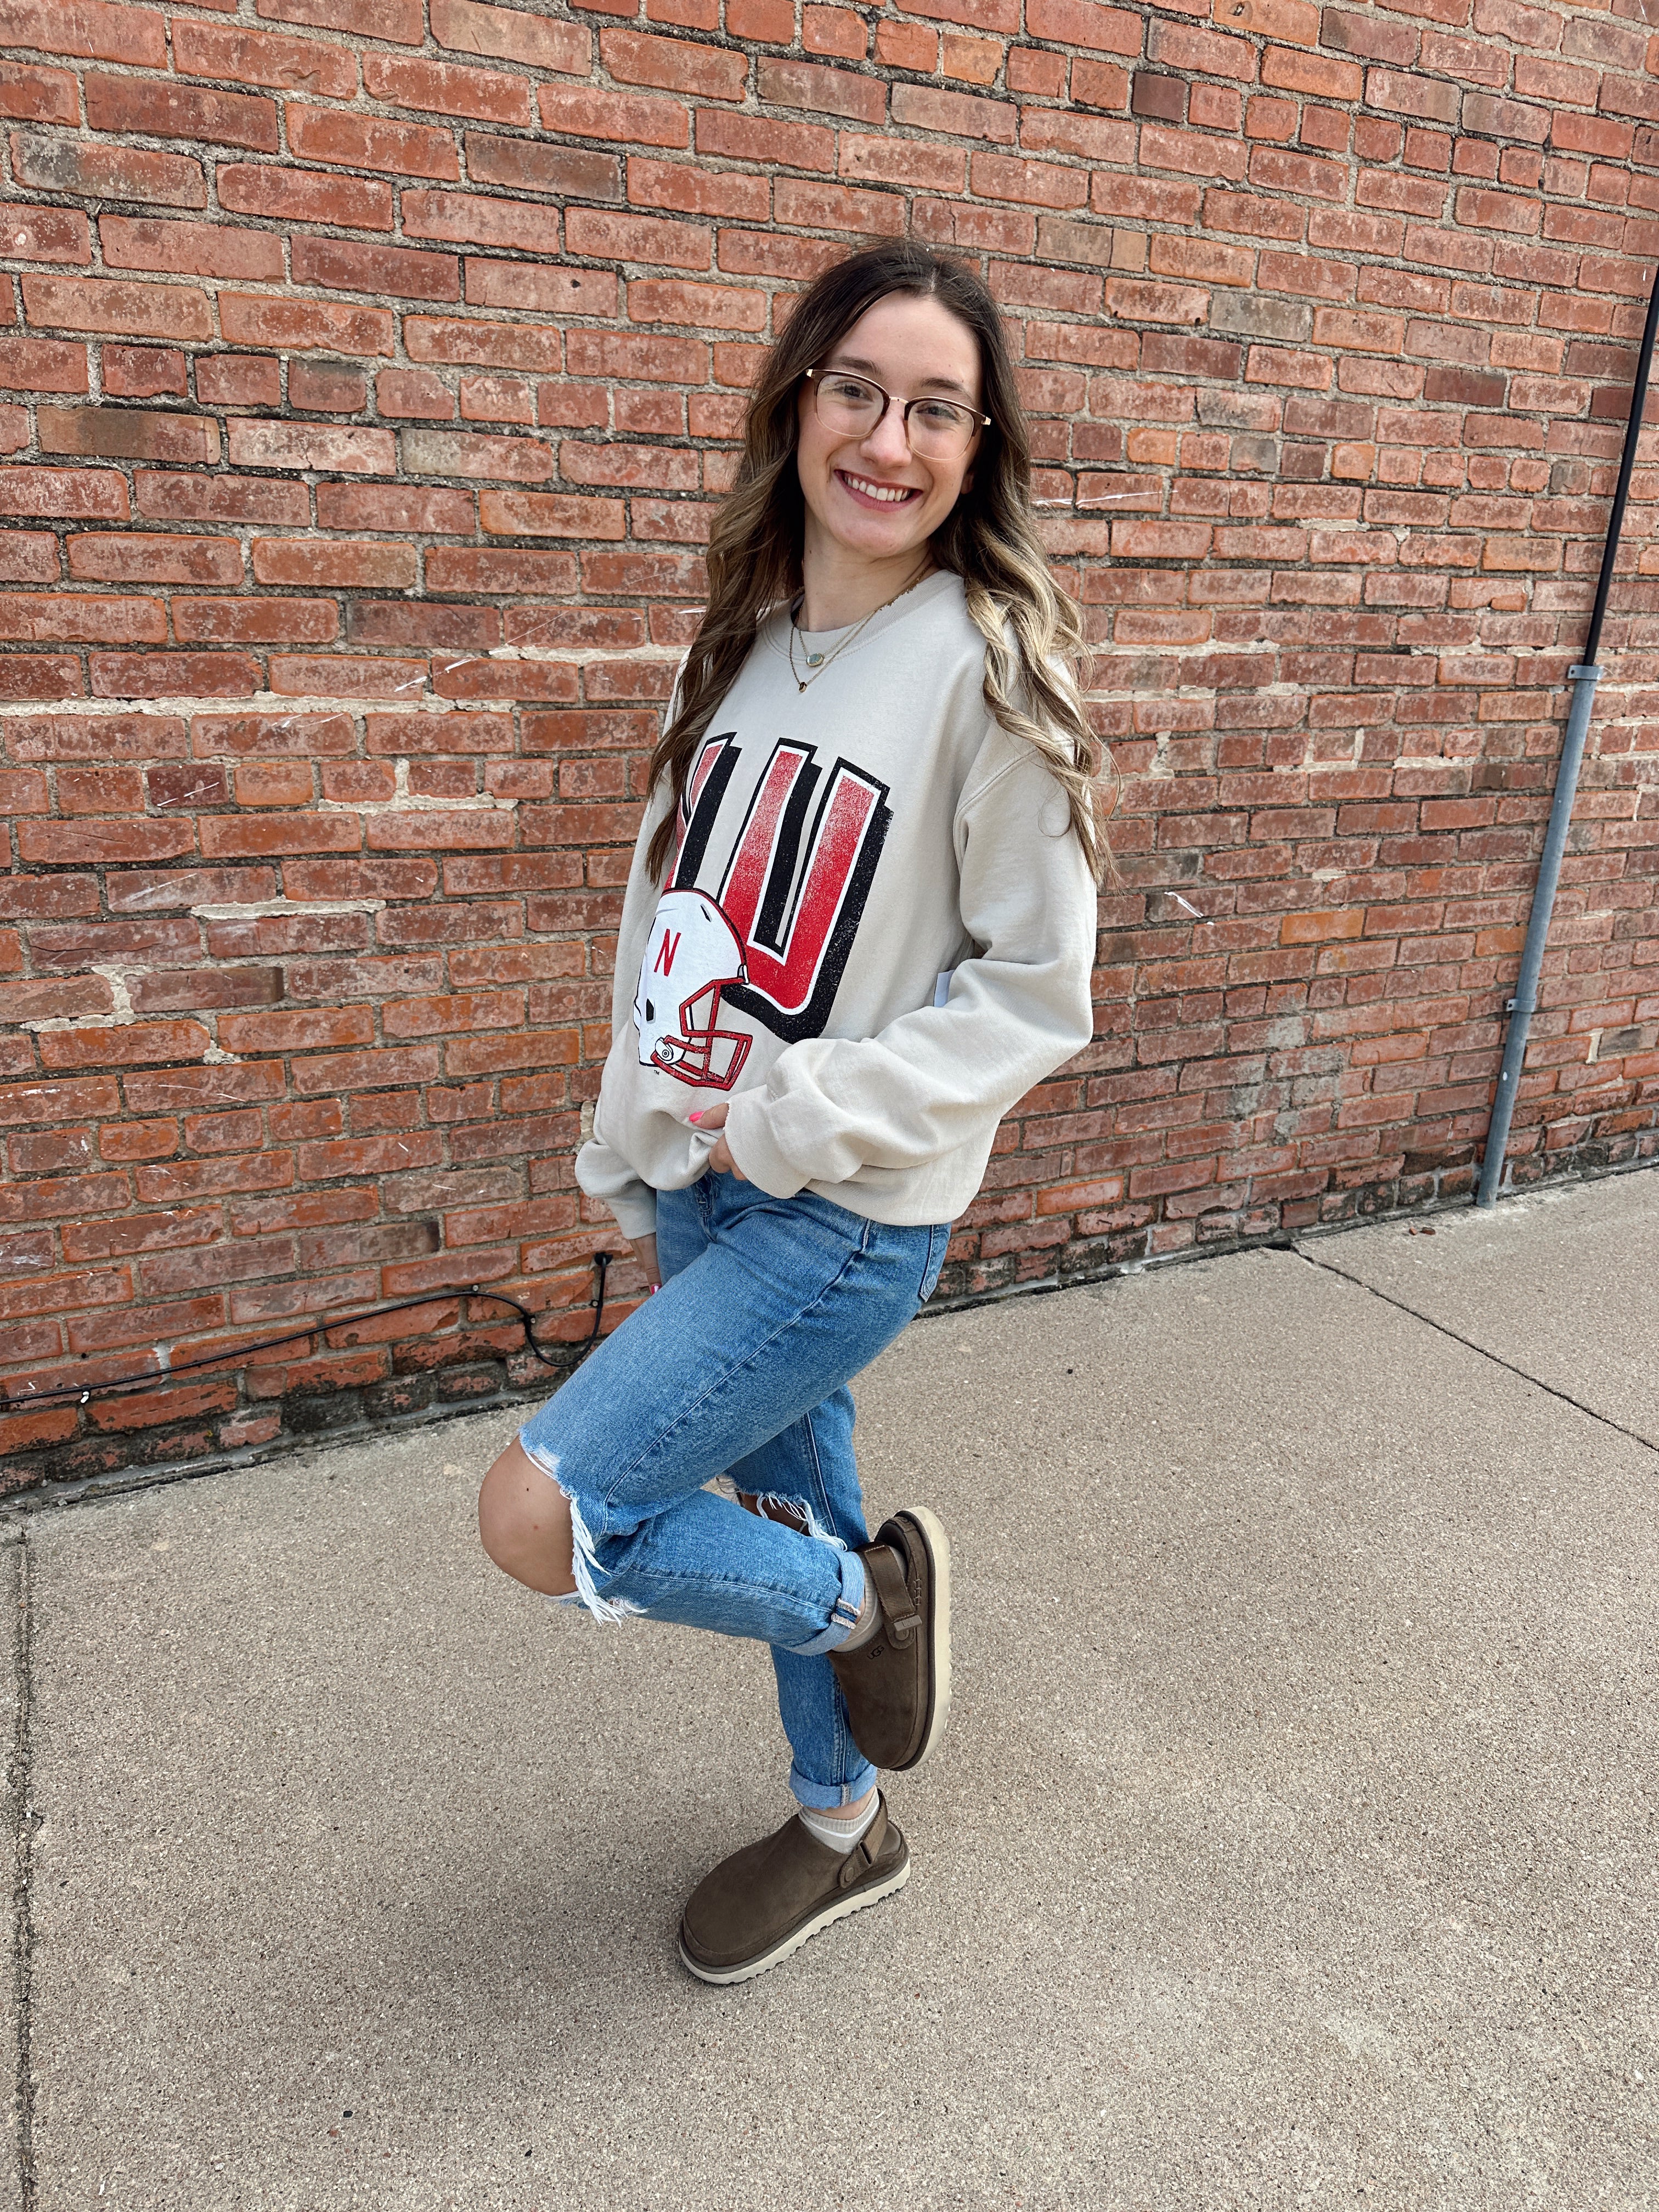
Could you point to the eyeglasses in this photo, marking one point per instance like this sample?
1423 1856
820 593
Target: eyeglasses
853 407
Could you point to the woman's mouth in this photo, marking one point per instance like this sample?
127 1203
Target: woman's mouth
869 492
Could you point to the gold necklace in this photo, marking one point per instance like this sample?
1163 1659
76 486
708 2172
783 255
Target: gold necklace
818 662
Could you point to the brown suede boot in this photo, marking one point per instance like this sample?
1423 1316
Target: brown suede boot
767 1899
897 1684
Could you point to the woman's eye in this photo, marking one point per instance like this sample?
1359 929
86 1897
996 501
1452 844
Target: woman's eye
938 414
848 388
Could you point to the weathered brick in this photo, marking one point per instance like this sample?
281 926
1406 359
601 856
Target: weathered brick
304 325
256 444
239 55
121 172
139 434
116 309
42 365
163 110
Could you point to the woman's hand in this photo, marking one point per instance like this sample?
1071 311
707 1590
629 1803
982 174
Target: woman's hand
713 1117
645 1251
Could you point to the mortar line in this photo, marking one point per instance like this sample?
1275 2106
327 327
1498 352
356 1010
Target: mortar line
1469 1345
23 1776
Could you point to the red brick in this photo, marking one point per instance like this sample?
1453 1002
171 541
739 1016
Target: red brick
37 676
191 249
163 110
371 142
394 507
144 371
887 159
510 35
28 557
1079 23
489 345
1035 183
540 287
413 391
304 196
42 365
321 567
465 453
118 173
705 306
676 64
114 556
627 119
599 233
245 57
92 30
298 676
466 569
472 219
551 514
174 675
326 387
449 87
165 498
61 618
355 451
304 325
396 21
43 233
64 494
229 380
527 166
142 434
151 311
758 138
38 96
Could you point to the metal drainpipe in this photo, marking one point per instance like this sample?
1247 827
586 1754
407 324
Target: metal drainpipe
1585 678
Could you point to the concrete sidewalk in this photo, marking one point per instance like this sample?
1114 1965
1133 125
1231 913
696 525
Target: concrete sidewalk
1293 1843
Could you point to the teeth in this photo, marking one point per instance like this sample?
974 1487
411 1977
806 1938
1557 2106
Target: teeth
891 493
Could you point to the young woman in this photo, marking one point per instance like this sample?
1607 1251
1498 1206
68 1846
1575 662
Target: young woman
859 925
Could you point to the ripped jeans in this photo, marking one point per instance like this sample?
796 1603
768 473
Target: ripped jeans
740 1367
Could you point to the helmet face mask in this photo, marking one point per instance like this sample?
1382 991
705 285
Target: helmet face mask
691 955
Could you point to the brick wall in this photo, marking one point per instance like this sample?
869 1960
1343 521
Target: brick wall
370 369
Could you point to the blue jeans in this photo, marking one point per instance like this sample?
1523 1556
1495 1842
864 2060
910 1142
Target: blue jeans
740 1367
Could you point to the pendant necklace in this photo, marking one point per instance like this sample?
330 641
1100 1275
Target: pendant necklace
818 662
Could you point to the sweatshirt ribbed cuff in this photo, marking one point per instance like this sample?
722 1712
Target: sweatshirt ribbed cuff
748 1132
634 1212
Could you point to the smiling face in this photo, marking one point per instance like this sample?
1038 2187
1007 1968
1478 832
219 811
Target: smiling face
870 500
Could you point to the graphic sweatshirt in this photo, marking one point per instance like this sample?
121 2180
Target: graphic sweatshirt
876 934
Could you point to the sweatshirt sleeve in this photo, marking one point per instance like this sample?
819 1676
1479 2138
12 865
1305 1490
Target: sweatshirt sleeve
1018 1010
606 1175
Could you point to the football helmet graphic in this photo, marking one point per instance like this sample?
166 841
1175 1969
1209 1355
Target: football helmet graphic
691 955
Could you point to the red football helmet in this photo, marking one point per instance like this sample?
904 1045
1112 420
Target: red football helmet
692 954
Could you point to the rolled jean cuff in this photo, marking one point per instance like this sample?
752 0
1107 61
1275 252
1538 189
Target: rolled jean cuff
844 1617
831 1796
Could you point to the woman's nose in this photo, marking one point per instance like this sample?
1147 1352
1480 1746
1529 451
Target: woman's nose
888 442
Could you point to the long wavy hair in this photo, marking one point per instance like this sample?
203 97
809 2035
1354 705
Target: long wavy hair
1034 649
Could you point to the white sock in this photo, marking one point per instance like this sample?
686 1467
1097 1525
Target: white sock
840 1829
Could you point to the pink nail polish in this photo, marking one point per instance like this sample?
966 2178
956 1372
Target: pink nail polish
697 1117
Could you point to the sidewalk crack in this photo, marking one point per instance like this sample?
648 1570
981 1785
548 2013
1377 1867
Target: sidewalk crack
22 1793
1469 1345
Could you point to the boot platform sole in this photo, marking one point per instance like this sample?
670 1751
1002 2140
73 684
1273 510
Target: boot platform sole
839 1909
938 1629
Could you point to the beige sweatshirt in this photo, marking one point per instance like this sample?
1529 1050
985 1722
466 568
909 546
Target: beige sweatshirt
876 936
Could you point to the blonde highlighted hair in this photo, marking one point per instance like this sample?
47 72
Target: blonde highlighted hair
1034 649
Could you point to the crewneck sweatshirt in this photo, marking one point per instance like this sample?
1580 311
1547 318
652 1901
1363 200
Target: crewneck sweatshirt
876 935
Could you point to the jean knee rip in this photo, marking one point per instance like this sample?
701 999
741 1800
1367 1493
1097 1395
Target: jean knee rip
584 1565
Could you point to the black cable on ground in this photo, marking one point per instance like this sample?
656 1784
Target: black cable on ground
18 1395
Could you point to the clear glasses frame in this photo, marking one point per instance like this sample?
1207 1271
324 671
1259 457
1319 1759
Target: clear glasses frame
954 437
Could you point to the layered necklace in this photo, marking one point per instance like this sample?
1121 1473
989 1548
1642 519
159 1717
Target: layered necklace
818 662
